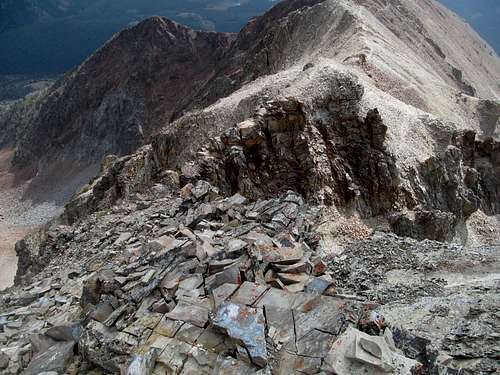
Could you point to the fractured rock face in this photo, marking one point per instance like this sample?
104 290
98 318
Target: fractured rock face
331 156
450 187
56 358
463 178
323 153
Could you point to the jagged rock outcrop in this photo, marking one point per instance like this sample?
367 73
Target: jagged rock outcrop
331 155
151 74
447 188
337 158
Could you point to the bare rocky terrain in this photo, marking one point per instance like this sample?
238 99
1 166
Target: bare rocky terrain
18 217
318 194
9 235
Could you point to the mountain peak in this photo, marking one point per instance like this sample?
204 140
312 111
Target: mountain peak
150 74
299 198
159 24
123 93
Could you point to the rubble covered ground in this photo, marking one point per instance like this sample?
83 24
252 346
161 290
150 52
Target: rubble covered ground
283 201
192 282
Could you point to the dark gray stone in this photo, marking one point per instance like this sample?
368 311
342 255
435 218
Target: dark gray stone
69 332
4 361
56 358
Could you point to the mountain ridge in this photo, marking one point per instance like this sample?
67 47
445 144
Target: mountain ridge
138 88
50 38
88 25
317 194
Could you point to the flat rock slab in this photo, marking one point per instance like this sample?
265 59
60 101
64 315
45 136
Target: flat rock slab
142 364
192 282
223 292
328 314
56 358
318 285
248 293
167 327
173 353
4 361
193 314
229 275
245 325
287 300
280 324
356 352
282 255
235 246
229 366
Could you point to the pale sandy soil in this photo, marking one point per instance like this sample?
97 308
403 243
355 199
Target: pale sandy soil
9 235
17 219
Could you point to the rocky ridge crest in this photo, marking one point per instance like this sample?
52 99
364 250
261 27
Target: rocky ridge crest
139 82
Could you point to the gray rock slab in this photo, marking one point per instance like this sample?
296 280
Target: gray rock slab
356 352
189 313
282 255
56 358
248 293
245 325
142 364
280 323
223 292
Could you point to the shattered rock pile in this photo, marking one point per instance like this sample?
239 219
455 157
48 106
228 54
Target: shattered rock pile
295 214
203 284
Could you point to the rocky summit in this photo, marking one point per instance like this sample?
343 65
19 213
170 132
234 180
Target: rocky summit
318 194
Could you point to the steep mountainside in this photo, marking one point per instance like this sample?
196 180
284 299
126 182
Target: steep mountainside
41 37
318 194
49 37
147 77
150 74
117 99
482 15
